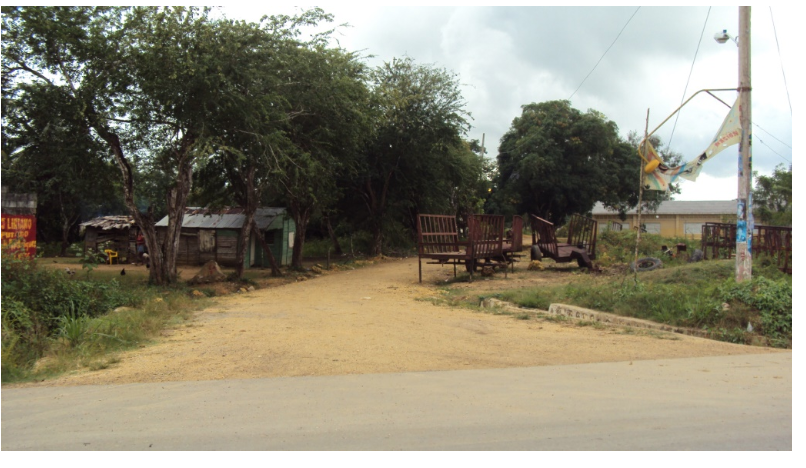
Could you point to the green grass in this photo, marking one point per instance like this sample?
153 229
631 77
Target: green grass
74 322
700 295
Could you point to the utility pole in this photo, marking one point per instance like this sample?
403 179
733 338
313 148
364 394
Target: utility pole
744 212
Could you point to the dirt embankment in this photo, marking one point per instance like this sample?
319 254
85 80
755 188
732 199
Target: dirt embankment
376 319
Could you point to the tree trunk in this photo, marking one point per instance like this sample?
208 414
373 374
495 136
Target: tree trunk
177 200
377 240
376 206
301 218
67 226
163 261
249 210
336 246
275 270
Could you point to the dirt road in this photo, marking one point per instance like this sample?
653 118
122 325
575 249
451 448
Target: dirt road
375 319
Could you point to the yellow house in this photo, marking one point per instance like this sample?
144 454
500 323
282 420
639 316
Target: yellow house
672 218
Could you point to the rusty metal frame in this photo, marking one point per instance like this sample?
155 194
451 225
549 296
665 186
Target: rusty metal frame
775 241
438 240
581 245
719 241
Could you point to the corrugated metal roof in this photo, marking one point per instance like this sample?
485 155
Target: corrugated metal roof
106 223
680 207
227 218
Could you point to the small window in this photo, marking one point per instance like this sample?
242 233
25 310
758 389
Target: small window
693 228
615 226
652 228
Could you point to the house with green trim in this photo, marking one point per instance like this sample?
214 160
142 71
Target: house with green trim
213 235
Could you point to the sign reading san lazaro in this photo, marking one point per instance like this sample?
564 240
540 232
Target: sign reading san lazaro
19 234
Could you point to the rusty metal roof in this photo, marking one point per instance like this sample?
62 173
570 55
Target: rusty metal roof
226 218
106 223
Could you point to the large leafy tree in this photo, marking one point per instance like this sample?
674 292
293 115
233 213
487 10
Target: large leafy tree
43 153
147 81
249 125
329 125
556 161
295 125
420 119
772 198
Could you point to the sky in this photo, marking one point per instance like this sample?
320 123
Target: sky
621 61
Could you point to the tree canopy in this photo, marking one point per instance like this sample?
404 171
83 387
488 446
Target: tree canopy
556 161
411 158
772 198
176 104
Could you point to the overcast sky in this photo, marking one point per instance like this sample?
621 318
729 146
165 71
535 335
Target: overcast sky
506 57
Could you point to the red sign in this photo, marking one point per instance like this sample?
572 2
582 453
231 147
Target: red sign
19 234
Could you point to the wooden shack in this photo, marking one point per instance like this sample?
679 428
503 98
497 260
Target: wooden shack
213 235
118 233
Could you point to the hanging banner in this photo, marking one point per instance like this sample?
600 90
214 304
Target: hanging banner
660 178
19 234
729 134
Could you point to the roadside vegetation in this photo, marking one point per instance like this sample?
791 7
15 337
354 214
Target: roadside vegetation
80 320
702 295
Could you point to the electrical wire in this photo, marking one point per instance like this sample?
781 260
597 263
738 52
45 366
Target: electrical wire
770 134
775 32
768 146
757 138
605 53
685 90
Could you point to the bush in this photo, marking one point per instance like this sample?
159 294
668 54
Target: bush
772 299
690 295
619 247
41 304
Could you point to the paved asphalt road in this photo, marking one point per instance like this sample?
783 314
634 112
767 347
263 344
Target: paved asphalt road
713 403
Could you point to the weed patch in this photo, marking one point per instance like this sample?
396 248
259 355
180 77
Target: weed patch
698 295
74 322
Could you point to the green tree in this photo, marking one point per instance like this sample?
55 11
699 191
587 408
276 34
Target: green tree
148 82
329 126
772 198
420 119
45 154
296 124
556 161
249 125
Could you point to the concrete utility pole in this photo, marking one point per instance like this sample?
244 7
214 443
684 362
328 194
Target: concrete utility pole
744 212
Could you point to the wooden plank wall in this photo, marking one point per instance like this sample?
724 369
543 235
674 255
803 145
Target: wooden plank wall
226 247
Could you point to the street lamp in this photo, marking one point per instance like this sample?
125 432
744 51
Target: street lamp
744 212
722 37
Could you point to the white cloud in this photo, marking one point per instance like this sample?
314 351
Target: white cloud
510 56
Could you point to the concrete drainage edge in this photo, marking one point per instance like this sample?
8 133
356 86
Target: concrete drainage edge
581 313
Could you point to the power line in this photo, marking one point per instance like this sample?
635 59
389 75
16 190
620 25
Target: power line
685 90
775 32
605 53
770 134
768 146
